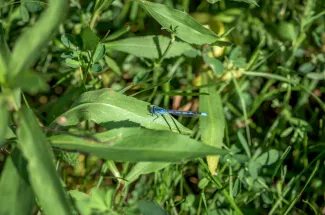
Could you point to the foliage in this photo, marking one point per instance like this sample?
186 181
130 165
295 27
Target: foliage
77 135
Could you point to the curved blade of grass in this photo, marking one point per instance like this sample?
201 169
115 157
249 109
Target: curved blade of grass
43 177
211 127
189 29
137 144
107 107
16 194
150 47
284 79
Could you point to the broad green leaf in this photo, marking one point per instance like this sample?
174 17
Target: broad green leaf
150 47
269 157
188 29
89 39
112 109
149 208
144 168
30 43
137 144
4 56
4 116
43 177
29 82
16 194
211 127
287 30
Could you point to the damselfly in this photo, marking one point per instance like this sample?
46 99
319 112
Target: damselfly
158 110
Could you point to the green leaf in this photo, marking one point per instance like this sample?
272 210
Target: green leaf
248 1
103 4
149 208
4 55
96 67
100 201
99 53
213 1
111 63
24 13
89 39
214 64
137 144
72 63
143 168
306 67
43 176
69 41
269 157
27 48
32 6
16 194
4 116
29 82
253 168
111 109
211 127
244 143
287 30
188 29
149 47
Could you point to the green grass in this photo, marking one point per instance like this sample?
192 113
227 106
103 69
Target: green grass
76 86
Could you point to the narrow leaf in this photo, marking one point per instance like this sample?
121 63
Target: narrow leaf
4 55
150 47
112 109
16 194
137 144
4 116
144 168
211 127
188 29
43 177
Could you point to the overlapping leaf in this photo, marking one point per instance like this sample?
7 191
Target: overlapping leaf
112 109
188 29
137 144
150 47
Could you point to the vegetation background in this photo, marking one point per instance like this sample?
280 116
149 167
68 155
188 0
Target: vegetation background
78 79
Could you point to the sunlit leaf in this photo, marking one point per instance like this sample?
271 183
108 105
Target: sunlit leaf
211 127
41 170
112 109
149 46
188 29
137 144
16 194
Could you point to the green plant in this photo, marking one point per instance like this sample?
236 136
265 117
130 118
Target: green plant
77 135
